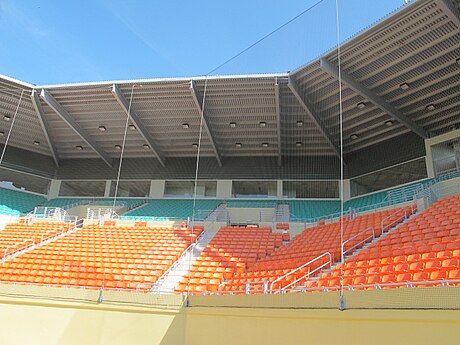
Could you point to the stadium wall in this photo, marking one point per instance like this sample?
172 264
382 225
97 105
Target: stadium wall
397 316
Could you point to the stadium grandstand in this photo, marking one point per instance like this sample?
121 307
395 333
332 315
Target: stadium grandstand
319 205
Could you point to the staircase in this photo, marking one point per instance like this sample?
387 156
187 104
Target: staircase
219 214
359 249
167 283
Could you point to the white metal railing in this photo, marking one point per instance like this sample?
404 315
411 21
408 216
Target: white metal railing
384 227
378 286
55 213
157 285
371 237
16 247
305 276
44 237
101 214
263 283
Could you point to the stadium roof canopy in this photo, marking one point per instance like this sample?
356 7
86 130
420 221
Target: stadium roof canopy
400 75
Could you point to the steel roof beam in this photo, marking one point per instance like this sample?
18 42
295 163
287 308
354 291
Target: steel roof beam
135 119
372 97
450 10
44 124
313 117
70 121
199 105
278 119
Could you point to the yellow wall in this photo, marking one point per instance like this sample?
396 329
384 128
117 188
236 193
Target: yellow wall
72 316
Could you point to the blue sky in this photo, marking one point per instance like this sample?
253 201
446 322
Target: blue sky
55 41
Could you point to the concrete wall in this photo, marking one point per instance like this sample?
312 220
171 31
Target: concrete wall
40 315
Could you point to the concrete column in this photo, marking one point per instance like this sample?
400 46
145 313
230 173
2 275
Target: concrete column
279 188
55 186
108 185
224 189
157 189
449 136
346 190
429 161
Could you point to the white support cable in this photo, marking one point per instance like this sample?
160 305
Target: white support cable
123 149
196 174
11 127
341 143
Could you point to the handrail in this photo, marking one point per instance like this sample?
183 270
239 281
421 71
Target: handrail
356 244
70 226
174 265
384 227
409 284
6 253
161 279
299 268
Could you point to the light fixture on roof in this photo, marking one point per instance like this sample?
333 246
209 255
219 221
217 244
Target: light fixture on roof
430 107
185 125
361 105
118 147
298 144
232 124
36 143
2 134
79 147
389 123
145 146
195 145
404 86
102 128
354 136
457 61
262 124
299 123
264 144
132 127
238 145
7 117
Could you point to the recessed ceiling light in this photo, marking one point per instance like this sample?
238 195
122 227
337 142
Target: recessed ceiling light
389 123
299 123
132 127
2 133
79 147
102 128
7 117
354 136
430 107
145 146
118 147
195 145
264 144
457 61
298 144
262 124
185 126
404 86
238 145
36 143
232 124
361 105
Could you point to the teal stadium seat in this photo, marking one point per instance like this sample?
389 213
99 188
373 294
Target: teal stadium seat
15 202
173 208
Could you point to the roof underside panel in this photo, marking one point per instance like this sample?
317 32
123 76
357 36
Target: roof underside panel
417 45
